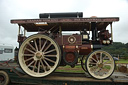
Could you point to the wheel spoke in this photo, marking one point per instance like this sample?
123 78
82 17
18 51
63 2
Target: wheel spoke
36 45
101 57
28 59
32 47
47 64
104 57
93 68
50 55
94 59
28 55
43 45
97 70
30 50
47 47
102 72
49 51
49 60
93 63
31 63
39 43
42 65
34 65
38 67
106 61
107 65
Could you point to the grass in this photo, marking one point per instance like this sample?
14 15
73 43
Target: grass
72 71
76 69
122 61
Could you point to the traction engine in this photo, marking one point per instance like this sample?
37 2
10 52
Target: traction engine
62 39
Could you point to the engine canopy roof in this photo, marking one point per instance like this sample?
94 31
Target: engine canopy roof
66 24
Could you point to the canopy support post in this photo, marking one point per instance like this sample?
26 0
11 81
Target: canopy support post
19 29
24 32
111 31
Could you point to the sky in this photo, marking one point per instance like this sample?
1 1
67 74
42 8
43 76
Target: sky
30 9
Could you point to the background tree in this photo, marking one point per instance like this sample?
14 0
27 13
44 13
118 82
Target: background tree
117 48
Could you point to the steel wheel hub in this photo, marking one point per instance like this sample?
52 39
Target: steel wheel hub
38 55
100 65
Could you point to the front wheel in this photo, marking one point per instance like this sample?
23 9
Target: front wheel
100 64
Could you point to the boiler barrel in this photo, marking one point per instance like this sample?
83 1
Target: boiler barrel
61 15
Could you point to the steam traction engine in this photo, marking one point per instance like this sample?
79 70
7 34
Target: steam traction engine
41 53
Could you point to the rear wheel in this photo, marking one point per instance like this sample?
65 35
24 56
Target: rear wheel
100 64
39 55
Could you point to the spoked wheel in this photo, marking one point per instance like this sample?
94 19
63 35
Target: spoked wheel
39 55
83 63
100 64
4 78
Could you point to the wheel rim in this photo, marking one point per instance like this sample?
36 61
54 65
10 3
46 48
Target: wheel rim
39 55
100 64
83 63
4 78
